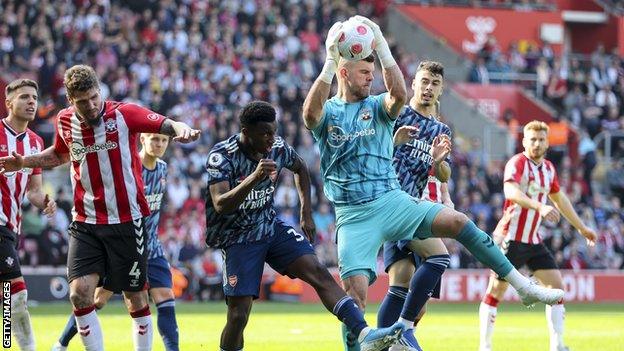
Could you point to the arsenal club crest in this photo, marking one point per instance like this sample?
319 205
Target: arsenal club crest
232 280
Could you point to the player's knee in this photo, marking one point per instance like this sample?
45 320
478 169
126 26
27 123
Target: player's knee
99 303
238 315
81 296
457 222
400 275
319 277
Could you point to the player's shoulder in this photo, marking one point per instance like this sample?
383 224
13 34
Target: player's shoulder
518 159
223 150
549 165
279 143
65 113
34 136
161 164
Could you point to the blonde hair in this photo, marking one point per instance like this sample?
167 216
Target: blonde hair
537 126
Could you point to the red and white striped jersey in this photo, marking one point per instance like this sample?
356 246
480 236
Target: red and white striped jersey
433 190
106 168
537 181
13 184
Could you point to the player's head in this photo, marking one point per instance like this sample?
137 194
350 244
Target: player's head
428 83
83 92
21 99
154 144
258 126
356 76
535 140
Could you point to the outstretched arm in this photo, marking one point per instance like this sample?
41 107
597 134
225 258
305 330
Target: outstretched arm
563 204
179 131
302 183
48 158
393 77
318 94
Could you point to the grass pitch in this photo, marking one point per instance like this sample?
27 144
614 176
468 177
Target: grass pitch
302 327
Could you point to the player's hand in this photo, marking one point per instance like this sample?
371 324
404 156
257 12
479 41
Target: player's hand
184 133
405 134
266 168
379 37
12 163
549 213
590 235
308 227
440 148
49 206
331 43
499 231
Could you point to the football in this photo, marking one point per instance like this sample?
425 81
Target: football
356 42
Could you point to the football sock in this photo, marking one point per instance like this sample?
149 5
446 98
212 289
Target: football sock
555 316
391 306
487 318
20 318
89 328
167 325
483 249
142 329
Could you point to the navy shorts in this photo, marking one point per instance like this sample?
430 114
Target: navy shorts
394 251
243 263
159 273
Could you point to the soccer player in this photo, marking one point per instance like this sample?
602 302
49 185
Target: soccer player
242 176
422 165
354 132
530 180
107 233
21 103
154 173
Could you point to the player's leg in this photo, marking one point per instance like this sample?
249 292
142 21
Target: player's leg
86 263
400 268
488 310
291 253
159 277
242 271
239 309
545 270
422 285
101 298
11 271
127 272
452 224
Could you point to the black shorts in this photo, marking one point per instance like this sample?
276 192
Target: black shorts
534 256
115 251
9 260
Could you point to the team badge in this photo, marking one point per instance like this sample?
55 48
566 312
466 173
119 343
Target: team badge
232 280
110 126
3 148
215 159
9 261
153 116
366 115
67 134
34 150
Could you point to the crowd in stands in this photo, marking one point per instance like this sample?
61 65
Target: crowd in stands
200 62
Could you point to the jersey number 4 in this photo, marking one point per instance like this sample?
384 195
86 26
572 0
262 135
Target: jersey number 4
135 271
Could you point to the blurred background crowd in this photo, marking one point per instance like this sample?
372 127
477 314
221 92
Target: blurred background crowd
201 61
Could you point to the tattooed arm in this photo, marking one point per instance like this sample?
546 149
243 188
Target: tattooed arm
180 131
48 158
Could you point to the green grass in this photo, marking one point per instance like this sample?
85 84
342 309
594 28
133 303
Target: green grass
300 327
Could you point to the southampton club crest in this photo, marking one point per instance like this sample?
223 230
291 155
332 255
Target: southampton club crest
110 126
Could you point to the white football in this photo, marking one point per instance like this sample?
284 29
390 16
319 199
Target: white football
356 41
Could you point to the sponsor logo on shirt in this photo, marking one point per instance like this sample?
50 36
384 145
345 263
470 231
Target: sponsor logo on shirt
257 198
338 137
78 151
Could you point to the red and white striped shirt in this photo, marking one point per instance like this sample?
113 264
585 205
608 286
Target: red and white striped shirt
13 184
537 181
106 168
433 190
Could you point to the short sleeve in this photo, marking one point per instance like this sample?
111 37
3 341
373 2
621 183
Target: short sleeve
141 120
554 185
514 169
380 110
288 156
39 142
219 168
319 131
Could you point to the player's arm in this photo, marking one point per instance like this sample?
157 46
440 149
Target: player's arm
564 205
515 194
226 200
48 158
319 92
393 77
302 183
36 196
446 197
440 150
179 131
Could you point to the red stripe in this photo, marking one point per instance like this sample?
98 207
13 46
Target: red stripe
97 186
121 193
4 184
79 191
143 312
433 194
17 195
17 287
490 300
84 311
138 176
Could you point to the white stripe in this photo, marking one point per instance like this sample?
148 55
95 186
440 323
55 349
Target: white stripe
12 180
85 179
126 165
106 174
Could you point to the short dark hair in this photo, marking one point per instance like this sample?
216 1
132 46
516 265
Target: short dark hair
80 78
434 67
19 83
257 111
369 58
